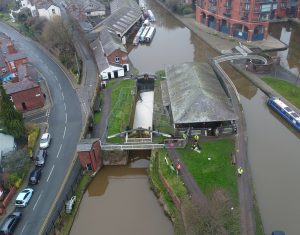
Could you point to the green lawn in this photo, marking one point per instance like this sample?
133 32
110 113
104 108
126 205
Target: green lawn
286 89
171 176
122 101
215 173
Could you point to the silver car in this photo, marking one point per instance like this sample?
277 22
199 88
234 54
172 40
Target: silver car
24 197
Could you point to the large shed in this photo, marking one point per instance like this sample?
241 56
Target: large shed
196 100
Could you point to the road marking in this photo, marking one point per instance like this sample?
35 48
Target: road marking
37 201
66 118
59 86
65 106
64 132
58 151
23 228
63 97
56 78
50 173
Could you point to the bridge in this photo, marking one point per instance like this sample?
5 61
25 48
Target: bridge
243 52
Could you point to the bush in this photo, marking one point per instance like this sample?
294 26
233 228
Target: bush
187 10
32 138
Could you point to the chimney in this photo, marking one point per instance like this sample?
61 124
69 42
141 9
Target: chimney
11 48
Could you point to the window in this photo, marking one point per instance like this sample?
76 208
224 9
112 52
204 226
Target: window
53 11
117 59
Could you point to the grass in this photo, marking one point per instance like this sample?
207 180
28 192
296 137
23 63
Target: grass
215 173
122 101
286 89
64 225
170 175
161 192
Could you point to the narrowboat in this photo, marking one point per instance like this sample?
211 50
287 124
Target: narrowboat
137 37
151 16
143 35
150 34
285 111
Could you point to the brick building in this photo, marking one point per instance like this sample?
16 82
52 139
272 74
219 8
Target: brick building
245 19
288 8
89 154
26 95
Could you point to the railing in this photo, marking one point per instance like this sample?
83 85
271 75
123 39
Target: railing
108 147
138 140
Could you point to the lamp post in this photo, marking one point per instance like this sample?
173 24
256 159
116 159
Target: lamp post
296 82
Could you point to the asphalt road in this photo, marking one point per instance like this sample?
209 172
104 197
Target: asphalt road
65 124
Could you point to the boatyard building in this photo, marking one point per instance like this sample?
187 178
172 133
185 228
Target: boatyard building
196 100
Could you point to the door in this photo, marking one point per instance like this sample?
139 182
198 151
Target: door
24 106
116 74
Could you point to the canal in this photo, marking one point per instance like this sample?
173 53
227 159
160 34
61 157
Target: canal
119 199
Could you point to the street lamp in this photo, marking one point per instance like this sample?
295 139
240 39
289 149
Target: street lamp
296 82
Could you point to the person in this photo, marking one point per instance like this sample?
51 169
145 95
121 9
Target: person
240 171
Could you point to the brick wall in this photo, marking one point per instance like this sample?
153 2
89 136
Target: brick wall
30 99
91 157
123 57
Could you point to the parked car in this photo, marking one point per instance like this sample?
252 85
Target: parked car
35 176
278 232
45 141
41 157
24 197
10 222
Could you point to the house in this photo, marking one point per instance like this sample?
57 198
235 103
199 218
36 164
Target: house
14 60
93 8
26 93
110 54
47 9
89 154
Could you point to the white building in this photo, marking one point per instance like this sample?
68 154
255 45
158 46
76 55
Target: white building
47 9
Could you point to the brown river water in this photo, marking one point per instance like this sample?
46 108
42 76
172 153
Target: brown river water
119 200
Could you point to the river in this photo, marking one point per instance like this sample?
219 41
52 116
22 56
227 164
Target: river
273 149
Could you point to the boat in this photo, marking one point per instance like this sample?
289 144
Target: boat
285 111
151 16
143 35
137 37
150 34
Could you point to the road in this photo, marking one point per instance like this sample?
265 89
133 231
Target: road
65 124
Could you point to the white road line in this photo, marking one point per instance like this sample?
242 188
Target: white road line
37 201
63 97
23 228
65 106
64 132
59 86
50 173
56 78
66 118
57 156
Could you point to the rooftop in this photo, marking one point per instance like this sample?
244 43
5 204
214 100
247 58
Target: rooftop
196 94
14 56
110 42
120 21
100 58
12 88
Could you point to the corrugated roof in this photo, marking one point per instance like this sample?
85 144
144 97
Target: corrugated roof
110 42
86 144
118 26
196 94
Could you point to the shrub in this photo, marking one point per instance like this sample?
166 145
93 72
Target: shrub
187 10
32 138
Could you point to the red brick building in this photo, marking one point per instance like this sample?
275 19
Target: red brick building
246 19
288 8
89 154
26 95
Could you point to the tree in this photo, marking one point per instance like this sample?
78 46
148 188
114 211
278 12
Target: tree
23 15
11 118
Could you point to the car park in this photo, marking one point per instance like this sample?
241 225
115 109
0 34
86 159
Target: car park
10 222
45 141
35 176
24 197
40 158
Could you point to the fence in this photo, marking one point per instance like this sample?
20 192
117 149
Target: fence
55 221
